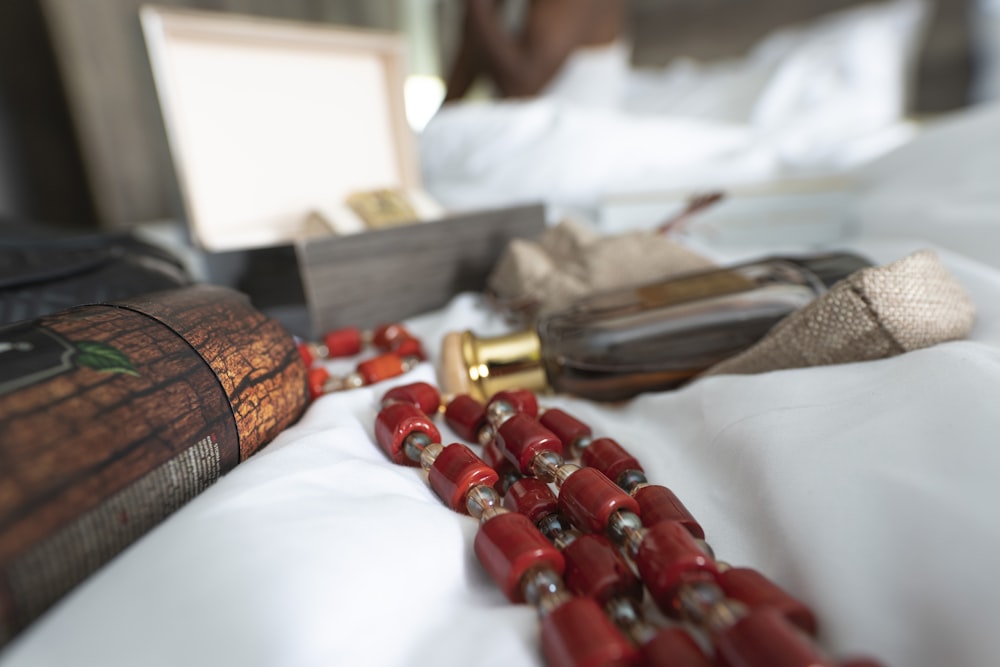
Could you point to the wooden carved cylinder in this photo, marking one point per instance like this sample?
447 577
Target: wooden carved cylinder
113 416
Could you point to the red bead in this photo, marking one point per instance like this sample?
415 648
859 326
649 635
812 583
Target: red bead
589 498
668 558
455 471
408 347
673 647
305 351
380 368
510 545
466 416
422 394
531 497
763 638
494 457
658 503
567 428
521 437
385 335
395 422
579 634
755 590
609 457
522 400
861 662
595 569
344 342
317 381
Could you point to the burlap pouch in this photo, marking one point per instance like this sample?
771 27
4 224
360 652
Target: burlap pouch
872 314
569 261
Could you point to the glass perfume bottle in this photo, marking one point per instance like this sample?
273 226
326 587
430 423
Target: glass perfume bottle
617 344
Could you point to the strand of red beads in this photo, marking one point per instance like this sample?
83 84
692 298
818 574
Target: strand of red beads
398 351
516 554
585 550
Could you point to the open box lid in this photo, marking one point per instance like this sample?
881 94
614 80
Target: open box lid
269 120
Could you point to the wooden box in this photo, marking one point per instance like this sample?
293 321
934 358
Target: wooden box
273 124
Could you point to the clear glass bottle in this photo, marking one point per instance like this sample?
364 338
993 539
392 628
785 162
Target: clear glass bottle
613 345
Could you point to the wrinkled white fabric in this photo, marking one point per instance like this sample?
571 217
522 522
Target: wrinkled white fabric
942 187
818 98
868 490
593 76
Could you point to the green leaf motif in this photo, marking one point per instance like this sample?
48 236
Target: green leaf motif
104 358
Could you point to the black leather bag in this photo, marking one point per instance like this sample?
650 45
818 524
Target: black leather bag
42 273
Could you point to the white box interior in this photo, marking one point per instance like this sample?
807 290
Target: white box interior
271 120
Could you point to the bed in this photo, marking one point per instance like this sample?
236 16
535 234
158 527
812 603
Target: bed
867 490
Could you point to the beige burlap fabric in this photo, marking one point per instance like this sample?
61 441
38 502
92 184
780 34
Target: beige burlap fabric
569 261
874 313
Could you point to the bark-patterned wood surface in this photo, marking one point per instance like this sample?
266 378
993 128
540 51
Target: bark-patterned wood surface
113 416
254 358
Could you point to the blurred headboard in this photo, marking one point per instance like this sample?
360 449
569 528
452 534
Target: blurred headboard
716 29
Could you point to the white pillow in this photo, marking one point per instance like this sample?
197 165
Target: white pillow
858 59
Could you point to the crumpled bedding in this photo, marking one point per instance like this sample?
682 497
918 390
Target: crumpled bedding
867 490
817 98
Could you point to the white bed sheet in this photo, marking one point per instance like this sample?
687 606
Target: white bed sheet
868 490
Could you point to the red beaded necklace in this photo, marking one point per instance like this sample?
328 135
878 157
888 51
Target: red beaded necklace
586 555
398 352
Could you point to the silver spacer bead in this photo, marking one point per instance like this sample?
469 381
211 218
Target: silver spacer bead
724 614
409 363
481 498
334 383
577 446
633 540
556 530
415 444
353 381
539 583
549 603
623 525
627 616
430 454
630 479
507 478
545 465
697 599
485 435
563 473
498 412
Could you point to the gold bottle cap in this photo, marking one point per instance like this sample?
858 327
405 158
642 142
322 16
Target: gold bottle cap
481 367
